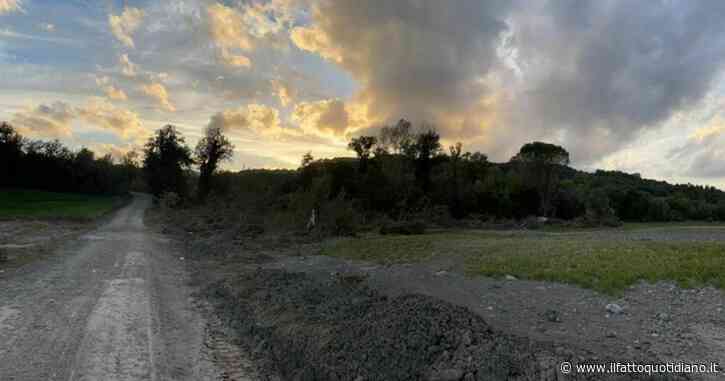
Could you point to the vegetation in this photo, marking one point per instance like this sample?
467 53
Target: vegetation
607 265
15 203
166 158
212 149
50 166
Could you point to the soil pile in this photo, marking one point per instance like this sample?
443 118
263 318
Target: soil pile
338 329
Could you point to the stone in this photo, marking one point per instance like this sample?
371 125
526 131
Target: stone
614 308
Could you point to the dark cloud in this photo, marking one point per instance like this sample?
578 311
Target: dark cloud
614 66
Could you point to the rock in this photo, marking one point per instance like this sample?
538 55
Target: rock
509 277
614 308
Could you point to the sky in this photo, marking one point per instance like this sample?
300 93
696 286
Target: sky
636 86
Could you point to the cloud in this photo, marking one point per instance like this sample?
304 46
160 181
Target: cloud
124 25
255 118
54 121
110 90
704 151
8 6
103 114
284 92
420 60
602 72
591 75
227 31
158 92
128 68
326 117
51 121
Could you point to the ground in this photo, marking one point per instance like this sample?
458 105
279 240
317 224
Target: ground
184 296
551 288
112 304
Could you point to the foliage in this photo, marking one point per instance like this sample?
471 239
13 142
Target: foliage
51 166
212 149
166 159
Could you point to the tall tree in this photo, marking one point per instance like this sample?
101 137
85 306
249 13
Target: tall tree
542 161
166 157
426 146
212 149
362 146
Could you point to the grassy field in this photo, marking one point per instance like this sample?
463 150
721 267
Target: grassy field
605 265
38 204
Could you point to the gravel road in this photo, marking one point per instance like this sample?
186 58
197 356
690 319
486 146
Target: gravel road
111 305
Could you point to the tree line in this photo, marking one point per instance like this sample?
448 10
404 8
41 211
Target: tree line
165 167
51 166
402 173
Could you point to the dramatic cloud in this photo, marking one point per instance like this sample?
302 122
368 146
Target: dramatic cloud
599 72
326 118
256 118
420 60
124 25
7 6
48 121
158 92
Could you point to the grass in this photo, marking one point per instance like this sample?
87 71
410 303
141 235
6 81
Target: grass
16 203
608 266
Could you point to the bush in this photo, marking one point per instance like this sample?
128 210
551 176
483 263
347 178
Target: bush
340 218
404 228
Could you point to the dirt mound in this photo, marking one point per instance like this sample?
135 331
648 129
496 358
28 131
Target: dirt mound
305 329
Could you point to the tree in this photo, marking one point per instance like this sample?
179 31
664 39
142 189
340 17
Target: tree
396 137
212 149
166 156
362 146
426 146
11 151
456 202
542 162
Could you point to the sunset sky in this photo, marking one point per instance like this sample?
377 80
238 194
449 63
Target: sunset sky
630 85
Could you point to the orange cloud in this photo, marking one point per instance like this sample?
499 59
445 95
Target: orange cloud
227 31
158 92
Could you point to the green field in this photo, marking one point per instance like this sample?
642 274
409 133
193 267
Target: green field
607 265
17 203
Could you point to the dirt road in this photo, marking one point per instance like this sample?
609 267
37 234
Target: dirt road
112 305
